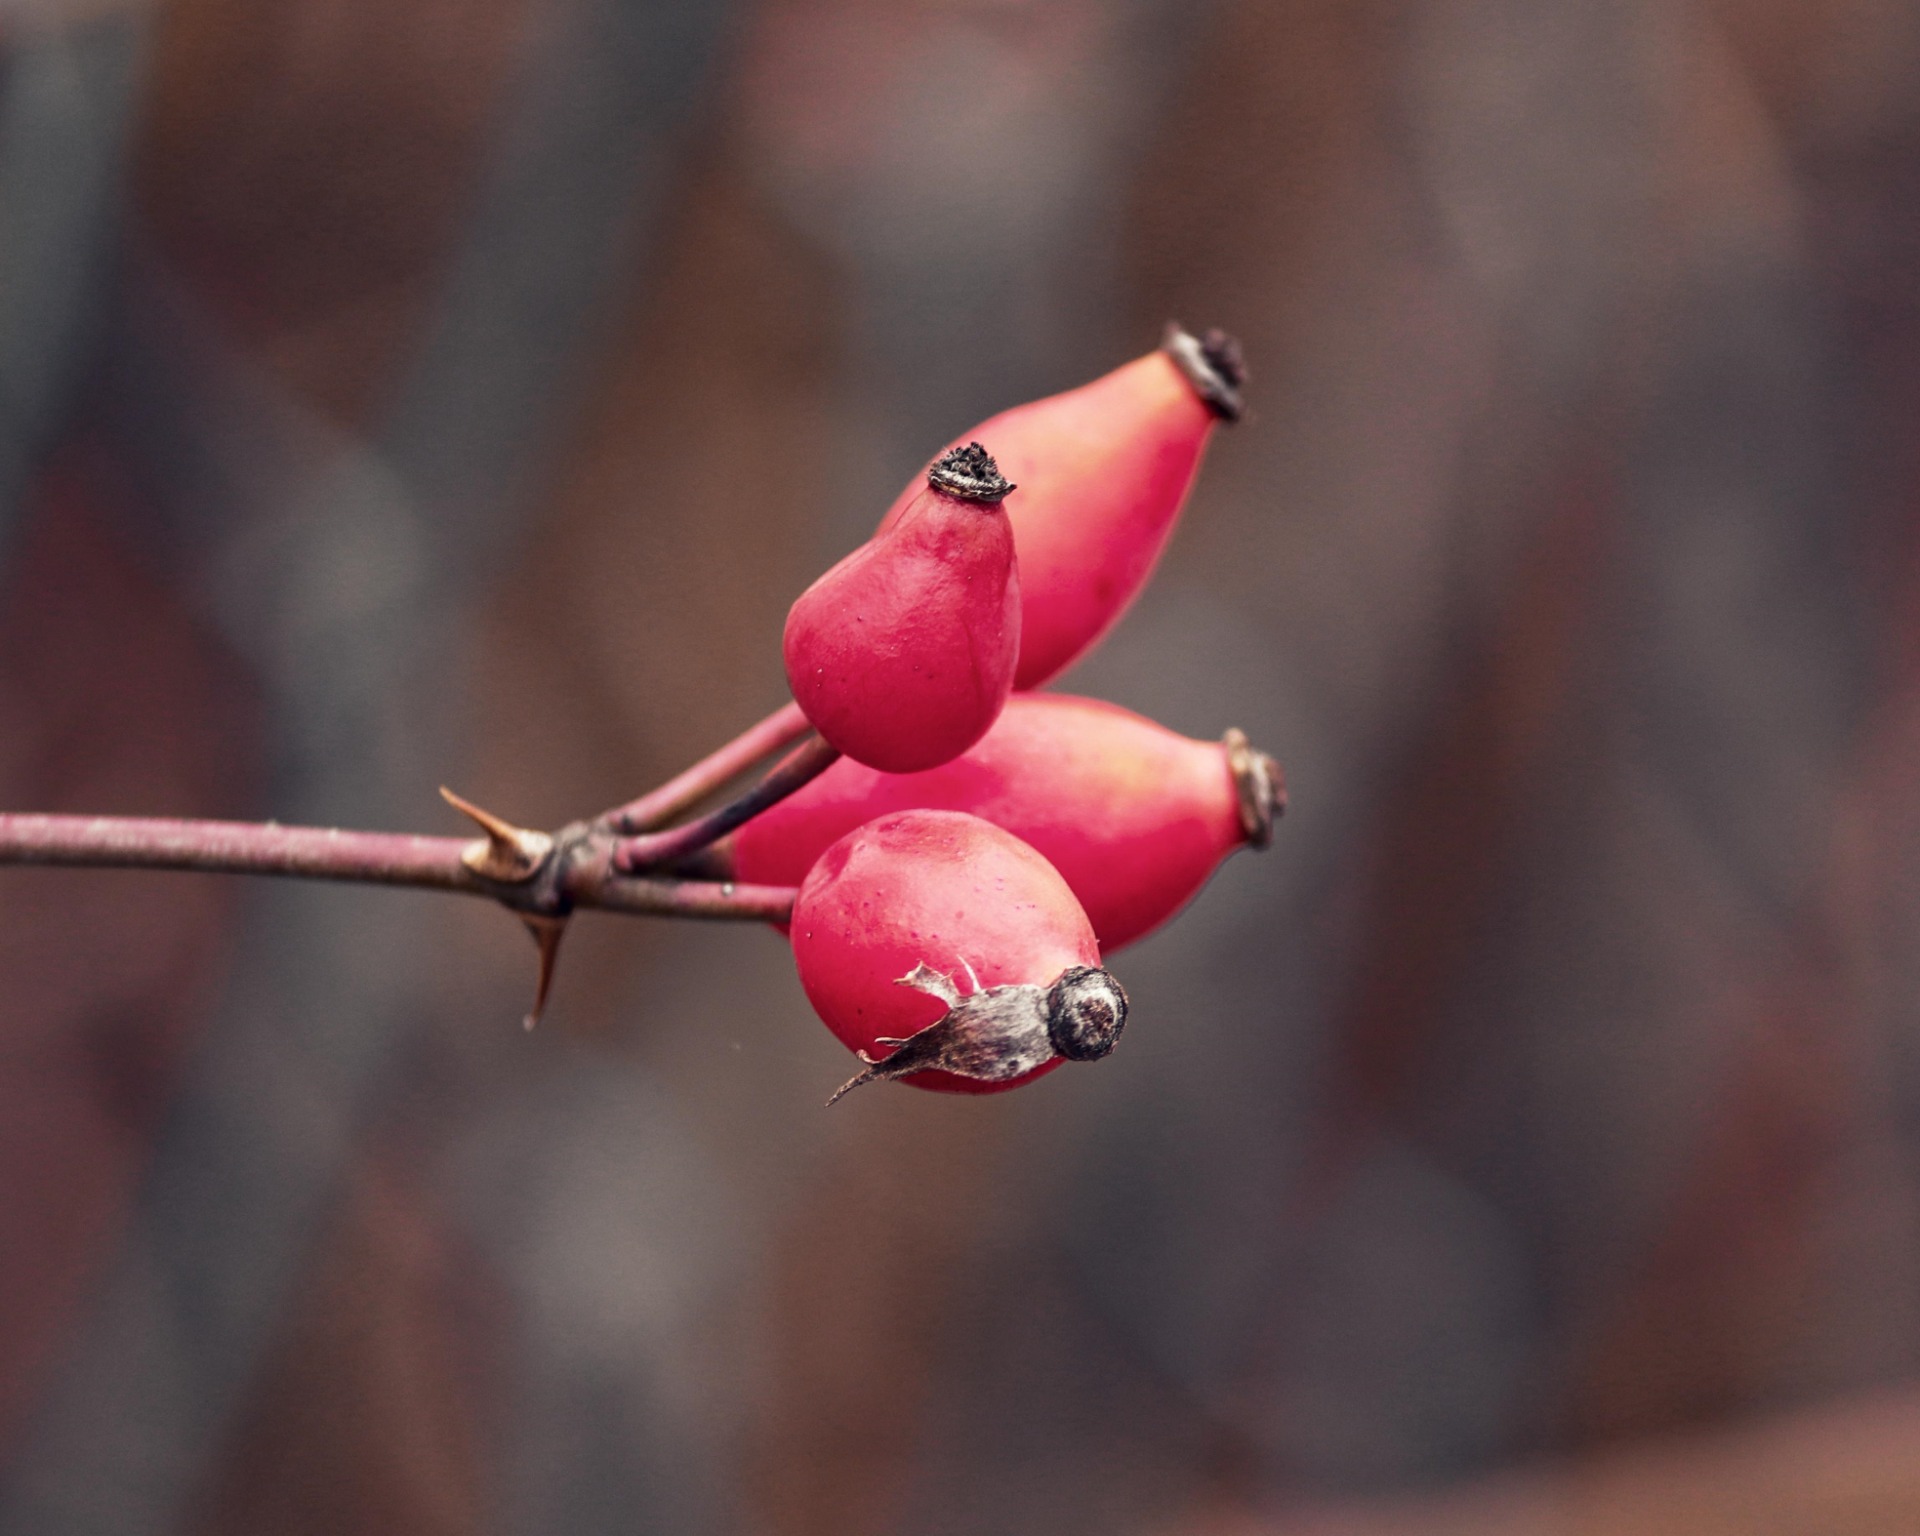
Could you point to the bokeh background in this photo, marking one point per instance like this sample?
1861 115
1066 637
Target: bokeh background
398 392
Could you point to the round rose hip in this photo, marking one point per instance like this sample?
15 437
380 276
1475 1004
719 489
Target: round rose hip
946 951
903 653
1135 817
1103 472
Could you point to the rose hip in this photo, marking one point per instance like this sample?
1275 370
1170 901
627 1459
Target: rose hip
1134 816
947 952
1103 470
902 655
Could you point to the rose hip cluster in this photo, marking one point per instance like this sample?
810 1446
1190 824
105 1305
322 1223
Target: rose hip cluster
978 846
951 851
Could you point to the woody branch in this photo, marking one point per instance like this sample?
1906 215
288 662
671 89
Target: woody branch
596 864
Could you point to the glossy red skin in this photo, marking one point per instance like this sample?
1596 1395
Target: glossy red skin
903 653
1102 472
1134 816
933 887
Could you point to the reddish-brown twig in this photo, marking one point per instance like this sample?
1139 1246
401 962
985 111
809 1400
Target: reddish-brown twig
685 790
238 847
655 850
572 870
541 877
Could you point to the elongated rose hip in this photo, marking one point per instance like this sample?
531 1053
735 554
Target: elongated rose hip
947 952
1134 816
903 653
1103 472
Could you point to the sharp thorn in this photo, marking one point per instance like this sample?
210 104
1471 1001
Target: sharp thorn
547 933
496 827
849 1085
510 853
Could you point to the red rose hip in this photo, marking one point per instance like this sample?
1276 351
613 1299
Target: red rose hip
902 655
947 952
1135 817
1103 470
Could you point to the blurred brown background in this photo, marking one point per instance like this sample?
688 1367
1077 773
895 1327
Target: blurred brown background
397 392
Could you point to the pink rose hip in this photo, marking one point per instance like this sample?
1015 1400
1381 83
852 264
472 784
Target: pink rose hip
902 655
947 952
1135 817
1104 471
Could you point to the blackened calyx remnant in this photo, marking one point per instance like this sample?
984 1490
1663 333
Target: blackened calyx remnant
995 1034
1086 1010
968 473
1258 786
1213 365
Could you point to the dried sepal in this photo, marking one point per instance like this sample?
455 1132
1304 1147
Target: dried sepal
970 473
1260 789
1213 364
996 1034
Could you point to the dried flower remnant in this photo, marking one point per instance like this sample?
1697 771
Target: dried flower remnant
997 1034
